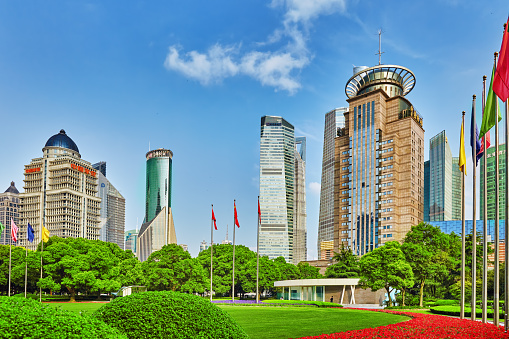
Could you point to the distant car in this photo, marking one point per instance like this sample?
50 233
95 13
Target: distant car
128 290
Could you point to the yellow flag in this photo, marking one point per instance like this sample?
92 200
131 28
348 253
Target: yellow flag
45 234
462 163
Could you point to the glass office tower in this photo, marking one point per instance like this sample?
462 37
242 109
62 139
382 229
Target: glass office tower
491 182
426 190
300 230
158 193
277 175
440 157
333 120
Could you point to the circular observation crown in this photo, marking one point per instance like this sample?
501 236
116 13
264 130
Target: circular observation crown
159 153
372 78
62 140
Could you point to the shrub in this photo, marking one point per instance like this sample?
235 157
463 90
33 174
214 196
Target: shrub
168 315
29 295
27 318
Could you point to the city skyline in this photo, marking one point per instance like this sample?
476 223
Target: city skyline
123 82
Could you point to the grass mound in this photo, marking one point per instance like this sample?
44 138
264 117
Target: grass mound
27 318
168 315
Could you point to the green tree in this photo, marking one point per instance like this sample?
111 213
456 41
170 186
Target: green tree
308 272
287 271
172 268
268 273
424 247
81 265
346 266
386 267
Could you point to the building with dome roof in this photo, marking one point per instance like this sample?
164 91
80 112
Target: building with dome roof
60 193
379 160
9 208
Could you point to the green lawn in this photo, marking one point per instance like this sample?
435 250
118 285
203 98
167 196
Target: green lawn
294 322
78 307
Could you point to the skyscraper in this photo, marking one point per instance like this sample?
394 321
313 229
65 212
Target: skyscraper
131 240
9 208
334 120
426 190
379 160
60 193
300 231
490 157
112 218
277 190
456 189
158 228
440 184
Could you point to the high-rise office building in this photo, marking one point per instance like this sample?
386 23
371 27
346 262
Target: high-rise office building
60 193
112 218
379 160
334 120
158 228
490 158
277 187
426 190
440 184
131 240
204 245
300 231
456 189
9 208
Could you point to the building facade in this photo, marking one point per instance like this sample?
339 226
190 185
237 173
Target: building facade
440 184
300 230
131 240
158 228
277 188
9 208
60 193
112 218
379 161
334 120
456 189
490 177
426 190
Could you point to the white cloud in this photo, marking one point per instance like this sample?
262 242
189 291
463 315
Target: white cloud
314 187
278 68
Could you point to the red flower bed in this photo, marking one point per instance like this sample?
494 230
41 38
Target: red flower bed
424 326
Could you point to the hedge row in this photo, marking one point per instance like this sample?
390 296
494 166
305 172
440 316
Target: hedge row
455 311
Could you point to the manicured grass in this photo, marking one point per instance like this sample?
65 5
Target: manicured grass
78 307
294 322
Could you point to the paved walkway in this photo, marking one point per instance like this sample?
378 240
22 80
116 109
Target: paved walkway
369 306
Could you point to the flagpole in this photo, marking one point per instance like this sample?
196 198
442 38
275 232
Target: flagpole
258 253
26 267
474 139
506 224
10 257
496 297
462 301
211 248
233 271
42 250
485 218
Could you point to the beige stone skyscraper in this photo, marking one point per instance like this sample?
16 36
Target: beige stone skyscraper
379 160
60 193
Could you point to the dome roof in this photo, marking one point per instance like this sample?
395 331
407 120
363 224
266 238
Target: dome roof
62 140
12 189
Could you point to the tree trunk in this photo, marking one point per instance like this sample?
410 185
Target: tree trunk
73 294
404 290
421 292
99 295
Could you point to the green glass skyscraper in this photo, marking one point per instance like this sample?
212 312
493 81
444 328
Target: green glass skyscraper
158 194
491 182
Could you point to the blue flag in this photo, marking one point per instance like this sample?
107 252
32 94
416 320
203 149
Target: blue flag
477 151
30 233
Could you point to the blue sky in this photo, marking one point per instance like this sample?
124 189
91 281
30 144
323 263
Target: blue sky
196 76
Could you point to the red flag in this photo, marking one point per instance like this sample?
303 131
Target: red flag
259 212
235 214
501 81
14 231
214 218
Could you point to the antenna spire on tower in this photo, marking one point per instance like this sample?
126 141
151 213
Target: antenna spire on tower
380 46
